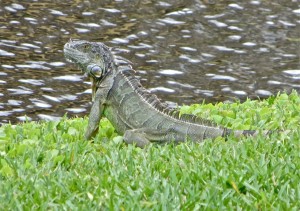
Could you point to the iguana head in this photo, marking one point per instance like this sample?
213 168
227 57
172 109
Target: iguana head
93 58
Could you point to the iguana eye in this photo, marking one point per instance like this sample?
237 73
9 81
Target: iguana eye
86 47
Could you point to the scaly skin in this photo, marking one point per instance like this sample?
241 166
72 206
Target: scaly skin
132 110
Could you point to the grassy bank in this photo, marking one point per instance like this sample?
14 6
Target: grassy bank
48 165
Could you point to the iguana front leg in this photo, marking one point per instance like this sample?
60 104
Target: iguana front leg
96 112
143 136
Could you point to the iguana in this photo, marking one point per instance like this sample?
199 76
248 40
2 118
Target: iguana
134 112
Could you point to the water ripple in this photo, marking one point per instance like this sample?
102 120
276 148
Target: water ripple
29 45
171 21
162 89
261 92
297 11
32 82
189 59
88 13
76 110
57 64
54 99
40 103
49 117
68 78
57 12
170 72
236 6
90 25
188 51
68 97
249 44
295 74
111 10
14 102
6 53
223 48
218 23
24 118
21 91
120 41
82 30
5 113
223 77
184 11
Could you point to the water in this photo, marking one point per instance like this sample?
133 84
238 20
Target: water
185 51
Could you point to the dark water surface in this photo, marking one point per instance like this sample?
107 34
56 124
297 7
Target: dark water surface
185 51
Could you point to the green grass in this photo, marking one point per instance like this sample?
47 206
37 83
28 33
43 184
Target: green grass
48 166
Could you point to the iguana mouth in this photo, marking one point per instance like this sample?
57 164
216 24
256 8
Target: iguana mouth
68 51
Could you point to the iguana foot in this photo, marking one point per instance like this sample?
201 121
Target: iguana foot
90 133
137 137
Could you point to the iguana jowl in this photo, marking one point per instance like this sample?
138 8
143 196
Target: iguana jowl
134 111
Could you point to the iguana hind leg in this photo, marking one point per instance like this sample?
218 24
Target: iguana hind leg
142 137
